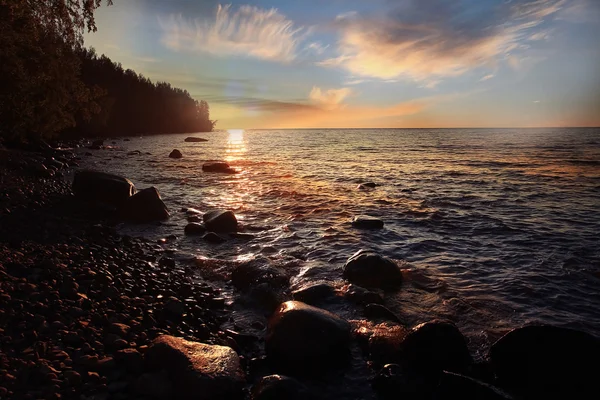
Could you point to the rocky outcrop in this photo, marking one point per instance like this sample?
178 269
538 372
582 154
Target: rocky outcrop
372 270
220 221
547 362
197 371
108 189
367 222
306 340
175 154
219 167
192 139
145 206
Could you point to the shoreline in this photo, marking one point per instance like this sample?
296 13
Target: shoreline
82 307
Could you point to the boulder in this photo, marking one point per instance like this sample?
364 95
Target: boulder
194 229
258 271
220 221
197 370
279 387
145 206
367 222
547 361
361 295
101 187
314 294
192 139
175 154
218 166
375 311
306 340
436 346
372 270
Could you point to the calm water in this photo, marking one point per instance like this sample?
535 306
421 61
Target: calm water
500 227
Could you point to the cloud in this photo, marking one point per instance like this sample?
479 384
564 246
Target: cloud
428 40
248 31
487 77
317 47
329 99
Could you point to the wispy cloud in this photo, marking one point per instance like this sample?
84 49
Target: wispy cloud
430 40
248 31
317 47
329 99
487 77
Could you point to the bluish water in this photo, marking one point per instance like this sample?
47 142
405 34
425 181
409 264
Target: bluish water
500 227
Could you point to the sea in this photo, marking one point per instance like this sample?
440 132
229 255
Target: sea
499 228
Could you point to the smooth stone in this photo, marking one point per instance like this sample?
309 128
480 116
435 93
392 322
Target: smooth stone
101 187
279 387
547 361
367 186
258 271
372 270
197 370
436 346
314 294
367 222
195 139
144 206
134 153
220 221
385 343
306 340
212 237
218 166
175 154
131 359
194 228
361 295
377 311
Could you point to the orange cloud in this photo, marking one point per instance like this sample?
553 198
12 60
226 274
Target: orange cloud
329 99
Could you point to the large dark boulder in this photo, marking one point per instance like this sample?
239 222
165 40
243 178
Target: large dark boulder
220 221
258 271
548 362
367 222
198 371
279 387
372 270
436 346
145 206
175 154
306 340
218 166
192 139
101 187
194 228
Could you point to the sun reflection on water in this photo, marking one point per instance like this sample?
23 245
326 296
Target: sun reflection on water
236 145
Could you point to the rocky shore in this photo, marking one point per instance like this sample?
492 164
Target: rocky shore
86 313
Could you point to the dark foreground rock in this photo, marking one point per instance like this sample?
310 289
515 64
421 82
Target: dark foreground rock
197 370
304 340
372 270
144 206
454 386
192 139
175 154
258 271
102 187
367 222
219 167
220 221
314 294
194 228
279 387
547 362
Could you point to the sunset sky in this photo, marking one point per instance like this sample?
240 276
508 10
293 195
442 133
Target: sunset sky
375 63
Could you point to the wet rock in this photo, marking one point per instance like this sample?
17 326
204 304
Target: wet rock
256 272
212 237
314 294
385 343
194 229
454 386
361 295
220 221
154 385
218 166
144 206
175 307
197 370
97 144
192 139
306 340
134 153
377 311
73 377
372 270
131 359
436 346
279 387
367 222
101 187
119 329
175 154
547 361
367 186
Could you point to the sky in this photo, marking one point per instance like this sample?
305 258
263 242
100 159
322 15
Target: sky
367 64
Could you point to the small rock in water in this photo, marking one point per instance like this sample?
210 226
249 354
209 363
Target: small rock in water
258 271
367 222
192 139
306 340
144 206
212 237
377 311
218 166
220 221
134 153
195 229
175 154
361 295
314 294
372 270
367 186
